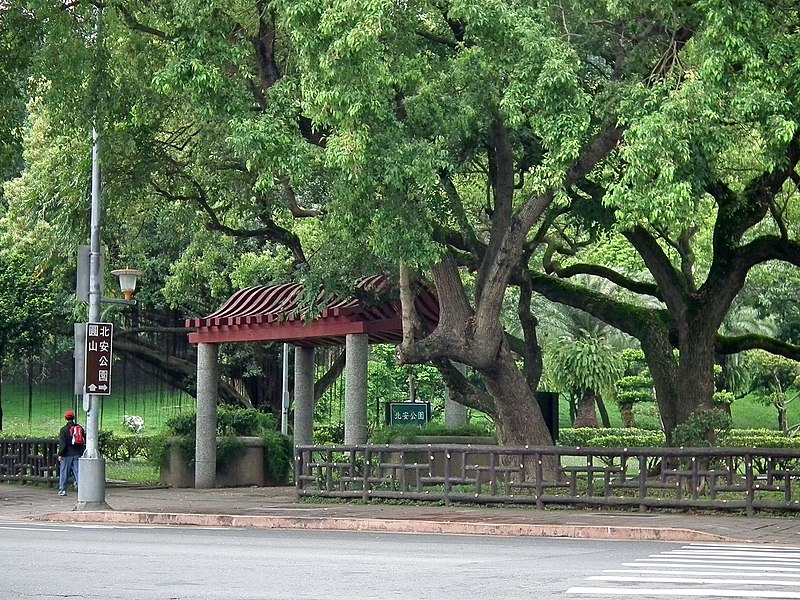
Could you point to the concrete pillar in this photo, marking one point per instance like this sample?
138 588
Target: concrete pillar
355 391
303 396
455 414
205 466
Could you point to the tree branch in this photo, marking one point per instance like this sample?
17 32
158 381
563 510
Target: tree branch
637 287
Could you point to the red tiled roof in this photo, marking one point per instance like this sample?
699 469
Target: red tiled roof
272 313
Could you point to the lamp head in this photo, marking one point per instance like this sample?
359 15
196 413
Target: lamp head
127 281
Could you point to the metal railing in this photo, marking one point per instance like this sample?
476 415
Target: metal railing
29 460
644 478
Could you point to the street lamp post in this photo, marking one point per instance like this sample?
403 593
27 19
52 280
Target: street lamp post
92 466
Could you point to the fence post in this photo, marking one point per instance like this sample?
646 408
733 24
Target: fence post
537 456
367 470
750 482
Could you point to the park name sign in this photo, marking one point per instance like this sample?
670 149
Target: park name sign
97 379
408 413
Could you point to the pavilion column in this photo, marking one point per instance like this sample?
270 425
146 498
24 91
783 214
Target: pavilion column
303 396
205 466
355 391
455 414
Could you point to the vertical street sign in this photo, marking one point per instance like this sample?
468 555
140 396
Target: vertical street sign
98 358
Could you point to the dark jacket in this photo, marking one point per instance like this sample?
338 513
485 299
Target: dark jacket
65 447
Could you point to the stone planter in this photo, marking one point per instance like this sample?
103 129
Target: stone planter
242 471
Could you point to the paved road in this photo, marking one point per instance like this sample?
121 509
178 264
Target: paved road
112 562
142 563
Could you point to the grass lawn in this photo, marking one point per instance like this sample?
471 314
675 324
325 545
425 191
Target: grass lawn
47 409
43 416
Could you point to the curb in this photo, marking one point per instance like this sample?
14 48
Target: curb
598 532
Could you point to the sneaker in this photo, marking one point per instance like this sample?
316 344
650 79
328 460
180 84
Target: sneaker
62 492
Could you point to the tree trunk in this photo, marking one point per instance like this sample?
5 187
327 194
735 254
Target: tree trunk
601 407
587 417
783 418
626 411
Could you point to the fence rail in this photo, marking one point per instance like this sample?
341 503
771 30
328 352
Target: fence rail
29 460
644 478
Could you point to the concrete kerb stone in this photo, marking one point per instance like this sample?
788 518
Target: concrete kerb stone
388 526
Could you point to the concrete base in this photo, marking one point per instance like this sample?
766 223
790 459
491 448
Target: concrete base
91 482
92 506
250 469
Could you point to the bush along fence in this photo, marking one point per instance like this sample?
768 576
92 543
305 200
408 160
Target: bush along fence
748 479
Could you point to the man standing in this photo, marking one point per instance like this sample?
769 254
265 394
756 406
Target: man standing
71 444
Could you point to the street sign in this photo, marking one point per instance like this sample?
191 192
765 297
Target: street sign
408 413
97 359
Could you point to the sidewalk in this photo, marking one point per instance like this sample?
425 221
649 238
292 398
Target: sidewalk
278 508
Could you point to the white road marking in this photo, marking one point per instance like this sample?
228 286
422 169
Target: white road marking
705 563
704 580
735 569
720 593
717 573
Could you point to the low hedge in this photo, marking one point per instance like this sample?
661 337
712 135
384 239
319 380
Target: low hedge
644 438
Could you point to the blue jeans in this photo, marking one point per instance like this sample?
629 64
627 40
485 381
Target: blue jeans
68 463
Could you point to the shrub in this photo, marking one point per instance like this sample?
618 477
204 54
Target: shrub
626 437
408 434
278 456
702 428
124 447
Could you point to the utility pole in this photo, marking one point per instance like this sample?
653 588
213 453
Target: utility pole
92 466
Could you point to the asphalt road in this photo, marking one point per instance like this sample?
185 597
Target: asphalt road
55 561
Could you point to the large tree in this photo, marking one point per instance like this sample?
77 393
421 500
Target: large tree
707 194
450 136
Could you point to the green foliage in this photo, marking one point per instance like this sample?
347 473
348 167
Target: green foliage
182 424
244 422
627 437
328 434
757 438
26 307
724 397
229 448
585 362
127 447
232 423
408 435
279 456
702 428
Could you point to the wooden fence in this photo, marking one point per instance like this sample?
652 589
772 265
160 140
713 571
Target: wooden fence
642 478
29 460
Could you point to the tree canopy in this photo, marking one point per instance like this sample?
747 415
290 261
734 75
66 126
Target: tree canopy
483 145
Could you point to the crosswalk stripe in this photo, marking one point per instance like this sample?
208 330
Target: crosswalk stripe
722 559
688 563
750 547
715 573
735 553
722 593
704 580
739 571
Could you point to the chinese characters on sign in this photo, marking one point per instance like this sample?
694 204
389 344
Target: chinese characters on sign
409 413
98 358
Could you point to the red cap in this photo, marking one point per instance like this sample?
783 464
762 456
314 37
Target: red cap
69 415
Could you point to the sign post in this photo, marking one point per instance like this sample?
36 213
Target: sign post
97 358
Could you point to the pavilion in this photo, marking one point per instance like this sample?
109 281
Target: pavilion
274 314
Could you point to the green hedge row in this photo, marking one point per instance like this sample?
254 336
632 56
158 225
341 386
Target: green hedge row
644 438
